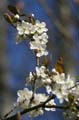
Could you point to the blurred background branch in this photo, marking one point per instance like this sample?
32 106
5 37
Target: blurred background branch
62 23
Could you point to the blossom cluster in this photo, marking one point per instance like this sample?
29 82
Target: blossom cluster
38 31
53 81
64 87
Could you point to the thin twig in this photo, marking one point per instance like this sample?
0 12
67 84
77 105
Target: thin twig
74 86
58 107
31 108
34 82
37 61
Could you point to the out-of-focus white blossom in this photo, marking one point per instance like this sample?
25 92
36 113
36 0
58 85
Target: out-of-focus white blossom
61 92
57 83
48 89
78 114
42 72
75 92
29 28
24 95
39 44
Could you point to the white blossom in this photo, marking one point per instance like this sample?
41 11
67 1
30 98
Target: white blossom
23 28
17 16
61 86
43 38
24 97
40 48
50 103
58 78
42 77
39 44
40 27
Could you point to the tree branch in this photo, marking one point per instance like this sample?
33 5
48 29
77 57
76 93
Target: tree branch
5 117
43 105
